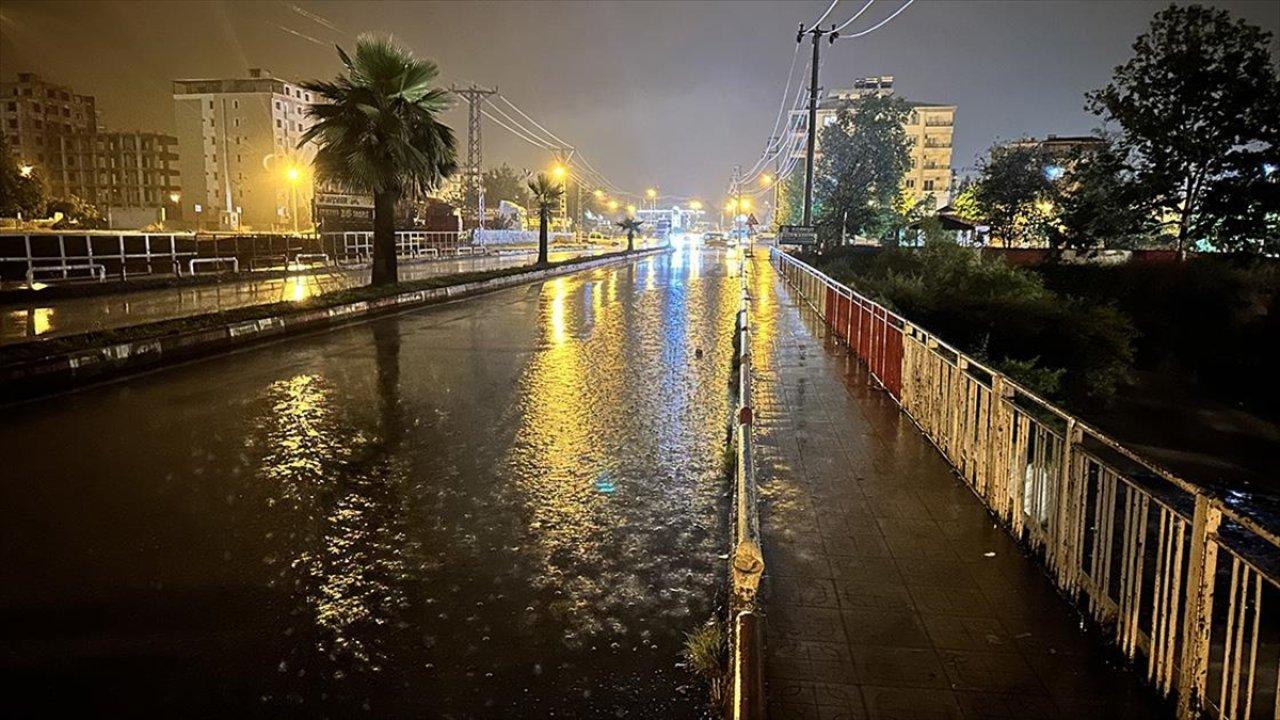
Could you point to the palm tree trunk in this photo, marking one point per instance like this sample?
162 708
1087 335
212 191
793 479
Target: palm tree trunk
631 240
385 264
542 236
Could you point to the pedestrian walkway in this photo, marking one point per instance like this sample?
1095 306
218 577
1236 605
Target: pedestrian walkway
889 591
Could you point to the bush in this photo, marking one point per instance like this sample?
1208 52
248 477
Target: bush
1071 350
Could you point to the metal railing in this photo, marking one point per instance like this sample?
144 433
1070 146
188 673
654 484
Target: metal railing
1132 545
59 255
746 559
358 245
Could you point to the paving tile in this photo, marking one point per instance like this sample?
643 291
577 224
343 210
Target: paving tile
964 632
999 672
1000 706
899 627
899 667
895 703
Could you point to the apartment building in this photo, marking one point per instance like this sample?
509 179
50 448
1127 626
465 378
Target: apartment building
120 169
238 152
929 127
36 116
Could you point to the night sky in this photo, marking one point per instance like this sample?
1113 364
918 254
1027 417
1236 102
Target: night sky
671 94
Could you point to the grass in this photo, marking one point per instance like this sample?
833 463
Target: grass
706 651
71 343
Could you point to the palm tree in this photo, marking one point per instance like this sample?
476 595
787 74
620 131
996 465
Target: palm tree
546 194
631 226
378 133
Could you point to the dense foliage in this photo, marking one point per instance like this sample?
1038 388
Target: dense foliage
1198 113
865 154
1067 349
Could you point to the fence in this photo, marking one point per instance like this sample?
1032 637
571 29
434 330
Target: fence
1177 578
67 256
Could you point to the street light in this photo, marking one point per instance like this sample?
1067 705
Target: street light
599 194
695 205
613 205
174 197
26 170
293 174
766 179
631 210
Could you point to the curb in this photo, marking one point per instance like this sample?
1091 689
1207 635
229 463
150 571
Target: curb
32 378
746 566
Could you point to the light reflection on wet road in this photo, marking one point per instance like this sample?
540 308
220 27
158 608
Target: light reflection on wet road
86 314
510 506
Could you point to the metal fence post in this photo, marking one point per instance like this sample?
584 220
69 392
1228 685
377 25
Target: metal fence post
1201 572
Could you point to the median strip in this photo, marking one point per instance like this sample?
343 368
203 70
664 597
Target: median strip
40 367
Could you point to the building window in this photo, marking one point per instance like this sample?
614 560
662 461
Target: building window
210 104
235 104
928 185
279 122
911 184
237 122
13 107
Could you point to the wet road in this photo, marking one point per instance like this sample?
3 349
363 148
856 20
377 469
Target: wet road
86 314
509 506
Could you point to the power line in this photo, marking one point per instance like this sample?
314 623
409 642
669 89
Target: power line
830 7
856 15
877 26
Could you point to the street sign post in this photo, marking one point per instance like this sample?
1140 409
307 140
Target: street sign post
797 235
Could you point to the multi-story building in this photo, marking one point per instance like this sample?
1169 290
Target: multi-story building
929 128
120 169
36 117
238 152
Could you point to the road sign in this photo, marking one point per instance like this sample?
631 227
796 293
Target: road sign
797 235
752 221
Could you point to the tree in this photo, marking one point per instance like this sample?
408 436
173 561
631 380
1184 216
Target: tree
1014 194
21 193
865 154
504 183
546 196
1096 201
631 226
790 207
77 214
378 133
1197 107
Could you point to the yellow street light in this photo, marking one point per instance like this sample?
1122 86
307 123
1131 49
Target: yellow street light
599 194
731 206
26 170
613 204
293 174
745 204
631 209
765 179
559 171
695 205
174 197
651 193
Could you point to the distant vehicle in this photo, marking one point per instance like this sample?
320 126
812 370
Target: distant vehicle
713 238
596 235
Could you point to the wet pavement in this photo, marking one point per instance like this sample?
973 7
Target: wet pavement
511 506
889 592
70 316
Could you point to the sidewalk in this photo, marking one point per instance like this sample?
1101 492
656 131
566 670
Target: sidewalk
889 592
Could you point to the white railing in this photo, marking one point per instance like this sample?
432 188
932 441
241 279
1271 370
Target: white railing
358 245
1133 545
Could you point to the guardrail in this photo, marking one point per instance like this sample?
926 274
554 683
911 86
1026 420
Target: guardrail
1134 546
122 254
747 698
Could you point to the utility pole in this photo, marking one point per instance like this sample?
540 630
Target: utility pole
817 34
737 195
474 96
